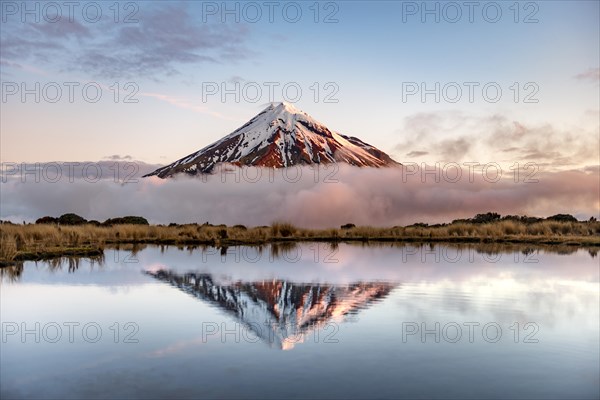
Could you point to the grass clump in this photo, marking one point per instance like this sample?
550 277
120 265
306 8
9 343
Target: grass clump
283 229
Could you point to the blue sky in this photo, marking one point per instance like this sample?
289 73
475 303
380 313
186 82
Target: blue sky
367 57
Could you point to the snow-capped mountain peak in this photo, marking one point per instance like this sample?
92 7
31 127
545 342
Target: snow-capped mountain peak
279 136
286 107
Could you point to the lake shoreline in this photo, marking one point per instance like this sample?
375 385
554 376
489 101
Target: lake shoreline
90 249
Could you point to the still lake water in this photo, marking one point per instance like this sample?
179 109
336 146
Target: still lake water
306 321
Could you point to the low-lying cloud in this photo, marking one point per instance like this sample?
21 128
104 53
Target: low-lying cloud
308 197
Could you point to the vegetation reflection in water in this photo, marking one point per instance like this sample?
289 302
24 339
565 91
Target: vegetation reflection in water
286 250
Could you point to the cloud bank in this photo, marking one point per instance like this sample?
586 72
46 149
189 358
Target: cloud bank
308 197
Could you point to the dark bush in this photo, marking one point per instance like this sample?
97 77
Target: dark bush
530 220
71 219
485 218
240 227
562 218
419 225
130 219
47 220
348 226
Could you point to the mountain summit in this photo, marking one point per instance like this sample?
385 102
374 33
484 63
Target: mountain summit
279 136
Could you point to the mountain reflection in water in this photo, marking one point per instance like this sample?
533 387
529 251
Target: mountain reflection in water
281 313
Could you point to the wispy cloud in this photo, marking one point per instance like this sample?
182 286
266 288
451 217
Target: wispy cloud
417 153
61 29
591 74
24 67
186 104
117 157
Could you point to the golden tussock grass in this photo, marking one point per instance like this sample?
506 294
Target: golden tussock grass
18 242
